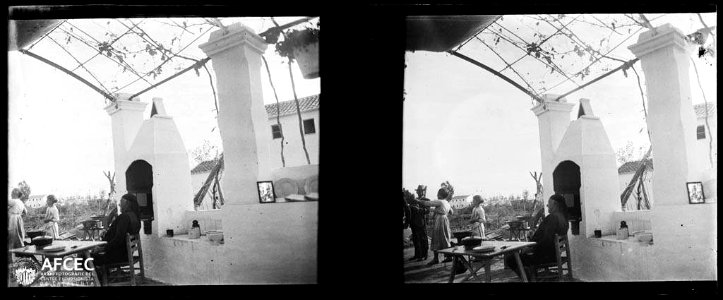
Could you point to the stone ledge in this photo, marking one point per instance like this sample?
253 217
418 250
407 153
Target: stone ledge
630 240
185 238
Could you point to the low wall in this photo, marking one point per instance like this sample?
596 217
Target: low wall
636 220
607 259
207 219
274 243
684 247
179 260
263 243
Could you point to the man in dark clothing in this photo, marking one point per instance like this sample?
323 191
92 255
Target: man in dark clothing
127 222
544 251
418 224
405 218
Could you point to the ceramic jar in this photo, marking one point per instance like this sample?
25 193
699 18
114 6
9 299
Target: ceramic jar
622 233
195 231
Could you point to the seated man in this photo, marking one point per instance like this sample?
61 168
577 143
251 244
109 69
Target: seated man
127 222
544 251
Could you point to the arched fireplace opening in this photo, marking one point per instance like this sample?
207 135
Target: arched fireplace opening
139 181
566 181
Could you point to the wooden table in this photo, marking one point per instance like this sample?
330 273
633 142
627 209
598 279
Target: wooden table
486 257
71 248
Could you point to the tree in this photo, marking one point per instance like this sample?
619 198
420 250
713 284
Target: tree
205 152
25 188
525 194
629 153
111 182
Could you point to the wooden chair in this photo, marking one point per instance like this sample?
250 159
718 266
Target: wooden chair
556 269
133 245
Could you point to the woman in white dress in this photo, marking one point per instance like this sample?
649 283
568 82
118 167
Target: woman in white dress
478 216
52 217
16 230
442 232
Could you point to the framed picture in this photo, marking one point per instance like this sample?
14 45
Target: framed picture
695 193
266 192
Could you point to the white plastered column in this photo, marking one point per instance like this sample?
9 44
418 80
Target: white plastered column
553 119
665 58
684 234
236 57
126 119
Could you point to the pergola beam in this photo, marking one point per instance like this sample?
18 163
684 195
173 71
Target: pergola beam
66 71
498 74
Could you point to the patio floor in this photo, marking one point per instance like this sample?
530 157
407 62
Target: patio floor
419 272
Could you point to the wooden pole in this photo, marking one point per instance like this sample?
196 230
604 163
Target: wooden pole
498 74
66 71
625 65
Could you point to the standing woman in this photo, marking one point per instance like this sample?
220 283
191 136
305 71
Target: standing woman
478 216
16 230
52 217
442 232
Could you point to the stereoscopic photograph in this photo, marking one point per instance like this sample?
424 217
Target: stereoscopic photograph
557 147
136 145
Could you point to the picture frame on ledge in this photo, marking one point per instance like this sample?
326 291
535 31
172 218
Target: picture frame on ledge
266 191
695 192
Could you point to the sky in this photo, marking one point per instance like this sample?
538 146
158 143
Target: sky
60 135
464 125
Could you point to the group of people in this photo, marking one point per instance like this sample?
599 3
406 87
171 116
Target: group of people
441 233
16 226
556 222
114 250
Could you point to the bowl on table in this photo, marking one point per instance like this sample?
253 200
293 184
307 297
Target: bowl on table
459 235
42 241
35 233
471 242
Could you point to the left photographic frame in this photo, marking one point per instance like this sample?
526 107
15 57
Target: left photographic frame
266 191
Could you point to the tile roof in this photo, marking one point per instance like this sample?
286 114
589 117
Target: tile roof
204 167
700 110
632 166
289 107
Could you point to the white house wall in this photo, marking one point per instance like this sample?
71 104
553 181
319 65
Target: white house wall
703 145
293 149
